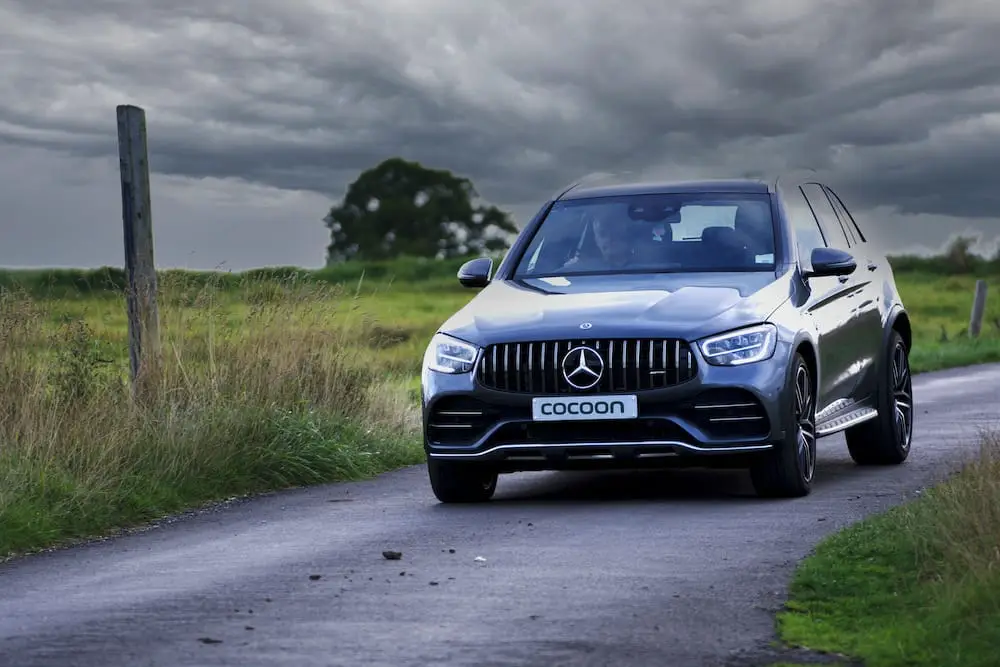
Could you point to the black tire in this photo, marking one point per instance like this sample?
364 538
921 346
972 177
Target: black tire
886 439
461 482
788 470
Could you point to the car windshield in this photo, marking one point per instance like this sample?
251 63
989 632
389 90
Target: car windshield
664 233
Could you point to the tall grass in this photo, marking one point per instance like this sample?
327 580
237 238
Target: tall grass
956 527
293 393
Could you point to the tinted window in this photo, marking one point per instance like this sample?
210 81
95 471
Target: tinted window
807 231
846 216
673 233
835 234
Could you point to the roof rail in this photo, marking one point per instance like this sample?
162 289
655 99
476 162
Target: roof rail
590 178
562 192
801 171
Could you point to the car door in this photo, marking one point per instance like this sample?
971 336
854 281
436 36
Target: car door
843 329
868 315
829 301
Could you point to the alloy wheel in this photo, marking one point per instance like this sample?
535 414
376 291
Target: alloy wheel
805 420
902 396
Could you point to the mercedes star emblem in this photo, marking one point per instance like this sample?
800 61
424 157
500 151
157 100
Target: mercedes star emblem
582 367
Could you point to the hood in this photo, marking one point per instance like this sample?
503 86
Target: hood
688 306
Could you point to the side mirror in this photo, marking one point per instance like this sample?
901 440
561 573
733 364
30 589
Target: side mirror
831 262
476 272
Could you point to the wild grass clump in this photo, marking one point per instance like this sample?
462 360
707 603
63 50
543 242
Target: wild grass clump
268 386
956 526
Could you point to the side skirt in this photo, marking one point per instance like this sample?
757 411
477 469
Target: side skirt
844 414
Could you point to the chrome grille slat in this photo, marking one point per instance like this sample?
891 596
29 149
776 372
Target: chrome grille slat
652 367
543 368
630 365
506 365
638 365
677 361
517 366
664 384
611 363
531 367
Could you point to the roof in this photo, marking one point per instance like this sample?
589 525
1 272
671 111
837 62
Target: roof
736 185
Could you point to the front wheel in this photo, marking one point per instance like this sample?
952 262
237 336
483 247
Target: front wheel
461 482
886 439
788 470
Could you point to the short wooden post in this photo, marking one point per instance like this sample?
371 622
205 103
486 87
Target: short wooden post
140 269
978 309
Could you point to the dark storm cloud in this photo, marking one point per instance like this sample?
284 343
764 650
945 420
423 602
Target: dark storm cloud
890 101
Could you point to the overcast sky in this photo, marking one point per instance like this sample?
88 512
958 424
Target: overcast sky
261 111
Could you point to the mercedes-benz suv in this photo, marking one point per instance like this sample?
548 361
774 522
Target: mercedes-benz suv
718 323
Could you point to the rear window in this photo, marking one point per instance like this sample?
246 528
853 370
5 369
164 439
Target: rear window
673 233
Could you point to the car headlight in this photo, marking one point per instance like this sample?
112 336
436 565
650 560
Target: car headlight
449 355
744 346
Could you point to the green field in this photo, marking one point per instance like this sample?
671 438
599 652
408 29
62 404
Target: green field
286 377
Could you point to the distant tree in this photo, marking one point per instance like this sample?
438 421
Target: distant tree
400 207
959 254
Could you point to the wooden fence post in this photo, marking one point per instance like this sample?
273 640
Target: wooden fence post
978 309
140 269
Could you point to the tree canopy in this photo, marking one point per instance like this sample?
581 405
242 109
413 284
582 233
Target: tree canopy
400 207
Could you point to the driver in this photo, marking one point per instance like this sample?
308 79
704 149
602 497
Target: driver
616 250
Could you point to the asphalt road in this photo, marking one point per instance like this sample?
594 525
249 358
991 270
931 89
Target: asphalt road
677 568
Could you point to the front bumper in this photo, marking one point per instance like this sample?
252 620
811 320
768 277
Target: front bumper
722 413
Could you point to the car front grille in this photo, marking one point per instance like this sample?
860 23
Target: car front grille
628 365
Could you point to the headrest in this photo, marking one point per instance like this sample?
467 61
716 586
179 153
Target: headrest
725 237
752 217
717 234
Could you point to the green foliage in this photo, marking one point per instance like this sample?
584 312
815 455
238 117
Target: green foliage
957 259
402 208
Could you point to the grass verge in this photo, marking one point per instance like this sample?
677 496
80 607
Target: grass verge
918 585
294 394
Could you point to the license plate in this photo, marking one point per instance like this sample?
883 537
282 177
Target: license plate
580 408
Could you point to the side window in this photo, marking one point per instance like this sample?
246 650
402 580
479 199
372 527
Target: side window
801 218
827 216
846 216
845 223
